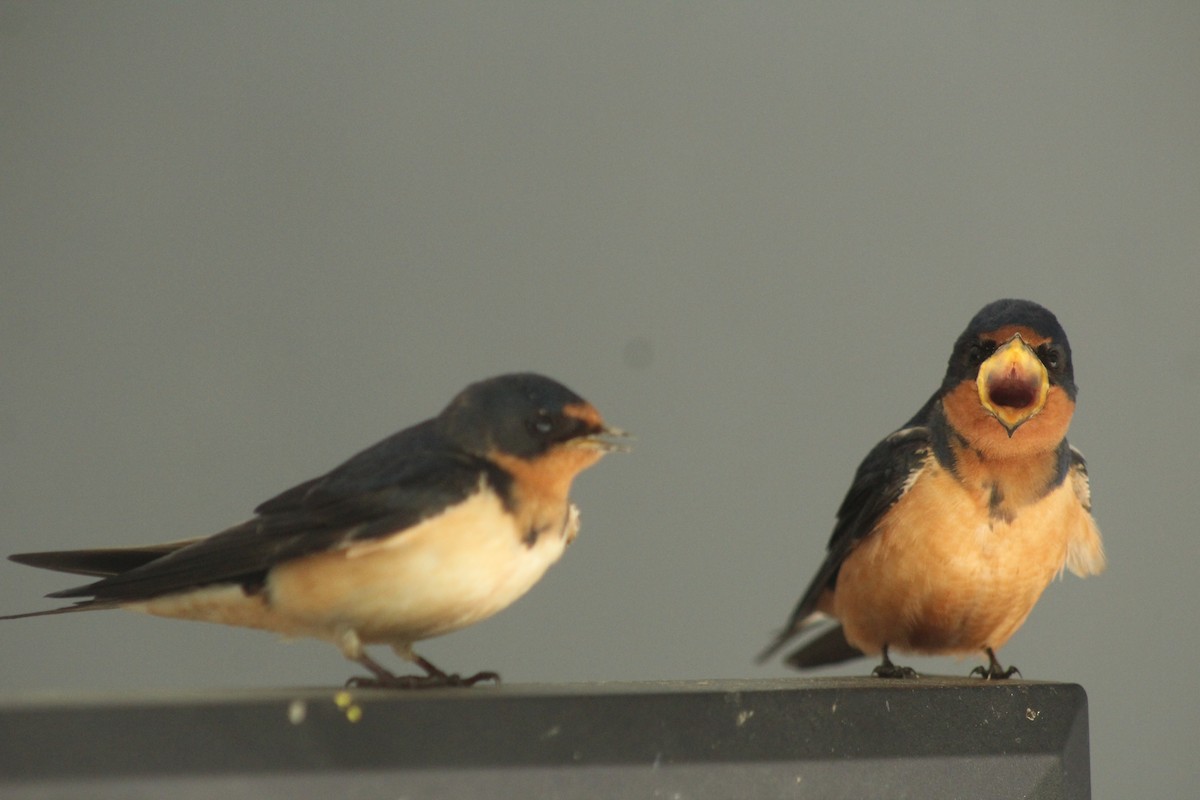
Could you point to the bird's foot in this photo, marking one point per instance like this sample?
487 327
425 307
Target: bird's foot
433 678
889 670
994 671
438 681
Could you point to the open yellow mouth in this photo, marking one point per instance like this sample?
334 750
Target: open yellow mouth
1013 384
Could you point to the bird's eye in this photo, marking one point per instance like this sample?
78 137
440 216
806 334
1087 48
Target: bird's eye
1051 357
979 353
542 423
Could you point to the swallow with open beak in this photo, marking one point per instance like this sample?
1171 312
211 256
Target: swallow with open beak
955 523
432 529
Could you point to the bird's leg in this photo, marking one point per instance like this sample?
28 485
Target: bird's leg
352 648
889 670
433 678
994 671
383 677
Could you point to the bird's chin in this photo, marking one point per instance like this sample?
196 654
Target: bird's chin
1011 419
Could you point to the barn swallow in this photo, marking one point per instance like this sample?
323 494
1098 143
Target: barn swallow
955 523
432 529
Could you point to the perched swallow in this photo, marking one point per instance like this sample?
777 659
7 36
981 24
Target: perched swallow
432 529
956 523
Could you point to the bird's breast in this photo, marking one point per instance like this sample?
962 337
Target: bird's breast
942 574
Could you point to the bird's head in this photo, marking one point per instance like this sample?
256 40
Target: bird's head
525 421
1010 385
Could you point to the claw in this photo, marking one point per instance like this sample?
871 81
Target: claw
433 678
994 671
889 670
420 681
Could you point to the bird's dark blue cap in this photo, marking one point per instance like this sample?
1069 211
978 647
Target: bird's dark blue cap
520 413
1026 313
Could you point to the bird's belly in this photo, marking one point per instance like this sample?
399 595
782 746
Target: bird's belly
444 574
441 575
946 578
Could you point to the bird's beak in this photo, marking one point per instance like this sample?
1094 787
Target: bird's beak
1013 384
608 439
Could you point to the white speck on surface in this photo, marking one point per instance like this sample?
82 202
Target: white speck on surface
552 732
297 711
743 716
1031 715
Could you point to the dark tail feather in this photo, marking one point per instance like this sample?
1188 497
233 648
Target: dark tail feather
86 605
830 647
802 619
775 646
99 563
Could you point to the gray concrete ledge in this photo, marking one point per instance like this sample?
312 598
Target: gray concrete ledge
829 738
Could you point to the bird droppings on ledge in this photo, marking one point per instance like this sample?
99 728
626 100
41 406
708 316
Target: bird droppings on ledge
345 701
297 711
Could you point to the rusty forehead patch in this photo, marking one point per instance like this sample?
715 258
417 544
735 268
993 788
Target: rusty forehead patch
585 412
1029 335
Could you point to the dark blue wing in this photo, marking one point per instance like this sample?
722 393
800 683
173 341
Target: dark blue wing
881 479
383 490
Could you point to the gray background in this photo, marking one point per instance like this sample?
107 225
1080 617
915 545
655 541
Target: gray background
239 243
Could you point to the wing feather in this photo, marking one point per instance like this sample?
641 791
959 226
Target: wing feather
1085 549
381 491
882 478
